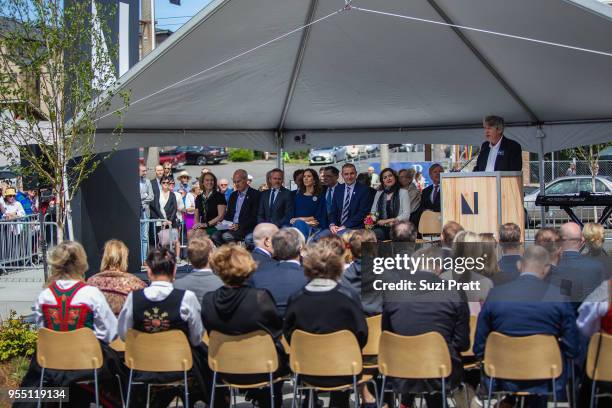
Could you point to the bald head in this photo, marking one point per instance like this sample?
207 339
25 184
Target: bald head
262 235
535 260
571 236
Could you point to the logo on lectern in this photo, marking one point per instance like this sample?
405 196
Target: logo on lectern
465 207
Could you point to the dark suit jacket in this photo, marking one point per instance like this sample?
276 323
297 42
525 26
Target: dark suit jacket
524 307
155 187
577 275
283 206
248 213
442 312
281 279
170 208
509 156
200 282
358 207
508 271
260 256
426 203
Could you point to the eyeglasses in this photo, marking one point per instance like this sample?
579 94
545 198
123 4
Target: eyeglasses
165 182
10 196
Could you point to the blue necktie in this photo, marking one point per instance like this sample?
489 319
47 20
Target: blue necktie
272 198
328 198
345 207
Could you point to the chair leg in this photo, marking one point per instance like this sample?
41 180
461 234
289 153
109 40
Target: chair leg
421 401
490 392
356 391
96 387
212 392
444 402
593 389
382 391
42 378
129 390
310 397
120 390
295 390
148 395
554 393
272 391
467 396
375 391
186 389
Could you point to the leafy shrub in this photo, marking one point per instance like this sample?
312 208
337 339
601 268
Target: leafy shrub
17 338
241 155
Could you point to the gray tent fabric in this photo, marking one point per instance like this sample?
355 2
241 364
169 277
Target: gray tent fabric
226 78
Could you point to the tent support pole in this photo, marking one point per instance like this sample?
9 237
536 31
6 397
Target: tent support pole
280 163
541 135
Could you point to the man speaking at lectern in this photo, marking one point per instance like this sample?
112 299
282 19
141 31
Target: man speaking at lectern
498 153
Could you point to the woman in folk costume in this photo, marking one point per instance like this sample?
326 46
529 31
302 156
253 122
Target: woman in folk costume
67 304
160 307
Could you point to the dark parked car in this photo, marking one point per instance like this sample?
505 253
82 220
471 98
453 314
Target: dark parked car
201 155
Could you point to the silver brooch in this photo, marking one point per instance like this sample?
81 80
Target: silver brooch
314 198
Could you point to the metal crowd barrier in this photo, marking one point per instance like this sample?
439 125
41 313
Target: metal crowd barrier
20 242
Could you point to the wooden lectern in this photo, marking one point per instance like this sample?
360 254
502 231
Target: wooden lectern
482 201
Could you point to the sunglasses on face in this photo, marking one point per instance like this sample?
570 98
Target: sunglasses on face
165 182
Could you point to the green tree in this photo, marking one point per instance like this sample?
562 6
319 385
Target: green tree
55 62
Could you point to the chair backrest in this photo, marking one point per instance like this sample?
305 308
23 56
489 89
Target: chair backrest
603 342
205 338
535 357
329 355
157 352
118 345
414 357
473 322
70 350
251 353
430 223
374 332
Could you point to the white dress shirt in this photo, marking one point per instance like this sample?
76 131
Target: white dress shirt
158 291
493 150
105 322
594 307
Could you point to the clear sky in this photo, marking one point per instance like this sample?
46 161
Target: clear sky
172 17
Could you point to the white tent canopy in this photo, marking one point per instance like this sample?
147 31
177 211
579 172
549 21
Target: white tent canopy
356 77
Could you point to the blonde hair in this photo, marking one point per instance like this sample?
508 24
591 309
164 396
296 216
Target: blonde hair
594 235
233 264
468 244
322 260
115 256
67 260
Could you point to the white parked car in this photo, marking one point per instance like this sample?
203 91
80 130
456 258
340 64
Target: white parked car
327 155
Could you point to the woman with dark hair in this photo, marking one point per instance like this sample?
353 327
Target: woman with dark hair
391 204
309 210
210 205
166 208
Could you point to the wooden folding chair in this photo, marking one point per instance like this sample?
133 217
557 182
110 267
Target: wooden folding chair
371 348
158 352
430 225
326 355
598 363
251 353
420 357
70 350
535 357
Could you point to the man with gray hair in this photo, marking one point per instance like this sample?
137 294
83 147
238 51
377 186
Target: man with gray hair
262 237
286 276
498 153
510 243
525 307
403 231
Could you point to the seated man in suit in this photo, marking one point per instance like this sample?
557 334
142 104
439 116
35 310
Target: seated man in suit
330 182
241 211
276 203
510 243
285 277
262 235
498 153
576 275
430 196
524 307
201 279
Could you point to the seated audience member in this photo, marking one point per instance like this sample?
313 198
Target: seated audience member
594 239
323 306
262 237
224 188
285 277
210 204
161 307
510 243
276 203
391 204
350 203
524 307
371 301
114 281
468 245
201 279
366 180
348 256
406 178
449 232
329 182
549 239
241 211
577 275
309 209
236 308
338 244
403 231
297 180
489 254
68 304
444 312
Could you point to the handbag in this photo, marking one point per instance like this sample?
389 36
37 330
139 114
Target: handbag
166 236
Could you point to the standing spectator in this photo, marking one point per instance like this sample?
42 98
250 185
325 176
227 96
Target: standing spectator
594 239
168 169
249 179
114 280
224 188
241 213
210 205
156 182
181 235
24 199
374 179
165 208
571 170
391 204
275 204
12 208
510 243
146 198
309 209
183 183
406 178
201 280
189 216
